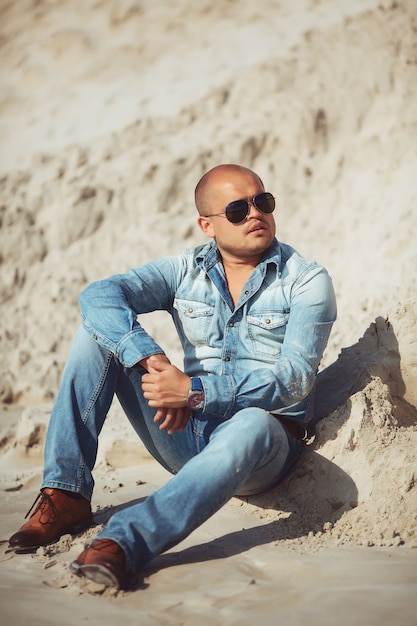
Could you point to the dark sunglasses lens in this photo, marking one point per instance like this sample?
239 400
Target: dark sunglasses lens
236 211
265 202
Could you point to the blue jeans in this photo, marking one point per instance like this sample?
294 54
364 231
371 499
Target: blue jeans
212 459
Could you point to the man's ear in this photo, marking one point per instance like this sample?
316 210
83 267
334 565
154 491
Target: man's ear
206 226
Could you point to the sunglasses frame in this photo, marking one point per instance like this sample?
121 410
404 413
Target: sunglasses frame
249 203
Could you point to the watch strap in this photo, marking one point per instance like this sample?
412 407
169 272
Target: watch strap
196 384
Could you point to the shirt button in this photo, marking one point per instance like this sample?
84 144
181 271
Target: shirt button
117 354
95 337
227 358
190 310
267 321
246 292
231 324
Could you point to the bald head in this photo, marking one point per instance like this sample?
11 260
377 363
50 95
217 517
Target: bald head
216 179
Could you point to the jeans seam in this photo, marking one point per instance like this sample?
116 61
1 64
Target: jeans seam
197 430
85 415
87 412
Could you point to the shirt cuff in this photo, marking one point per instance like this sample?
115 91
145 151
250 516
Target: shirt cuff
133 347
219 395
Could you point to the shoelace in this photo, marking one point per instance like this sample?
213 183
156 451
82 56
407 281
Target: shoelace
45 506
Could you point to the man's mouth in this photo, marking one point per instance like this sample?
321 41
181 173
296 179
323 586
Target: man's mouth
256 228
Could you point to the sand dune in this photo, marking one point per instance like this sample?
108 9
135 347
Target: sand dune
110 113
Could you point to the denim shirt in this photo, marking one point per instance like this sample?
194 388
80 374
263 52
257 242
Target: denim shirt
263 352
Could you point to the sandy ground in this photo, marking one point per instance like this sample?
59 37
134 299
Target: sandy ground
110 113
250 561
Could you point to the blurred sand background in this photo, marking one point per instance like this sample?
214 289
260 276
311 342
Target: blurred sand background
110 113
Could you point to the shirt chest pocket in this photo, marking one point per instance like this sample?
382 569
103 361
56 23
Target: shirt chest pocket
266 331
195 318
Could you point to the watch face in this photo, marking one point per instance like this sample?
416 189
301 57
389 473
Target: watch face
196 400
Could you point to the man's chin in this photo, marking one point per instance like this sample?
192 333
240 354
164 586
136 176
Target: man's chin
260 240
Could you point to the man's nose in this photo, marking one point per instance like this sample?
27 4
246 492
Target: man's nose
253 210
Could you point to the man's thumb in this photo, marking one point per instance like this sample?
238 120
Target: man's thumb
157 365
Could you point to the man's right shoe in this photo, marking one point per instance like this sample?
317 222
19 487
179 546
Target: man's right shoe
103 562
56 513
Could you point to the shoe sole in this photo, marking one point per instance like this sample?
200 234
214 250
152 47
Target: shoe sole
74 530
95 572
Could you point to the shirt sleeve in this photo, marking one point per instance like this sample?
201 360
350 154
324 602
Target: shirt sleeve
109 308
291 378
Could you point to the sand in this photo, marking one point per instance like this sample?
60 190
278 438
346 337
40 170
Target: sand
110 113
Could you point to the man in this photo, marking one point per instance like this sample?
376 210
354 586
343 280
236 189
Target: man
253 317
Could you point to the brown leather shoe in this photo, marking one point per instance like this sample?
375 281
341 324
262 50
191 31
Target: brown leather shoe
56 513
103 562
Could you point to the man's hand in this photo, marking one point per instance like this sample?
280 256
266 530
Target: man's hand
165 387
154 358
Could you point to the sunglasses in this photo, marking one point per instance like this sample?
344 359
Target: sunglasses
238 210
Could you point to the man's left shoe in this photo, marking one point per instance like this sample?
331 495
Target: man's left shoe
103 562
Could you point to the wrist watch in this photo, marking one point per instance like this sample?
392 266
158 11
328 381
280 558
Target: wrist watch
195 398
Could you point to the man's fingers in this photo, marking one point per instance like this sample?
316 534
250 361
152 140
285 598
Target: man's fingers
168 417
160 415
172 419
180 421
